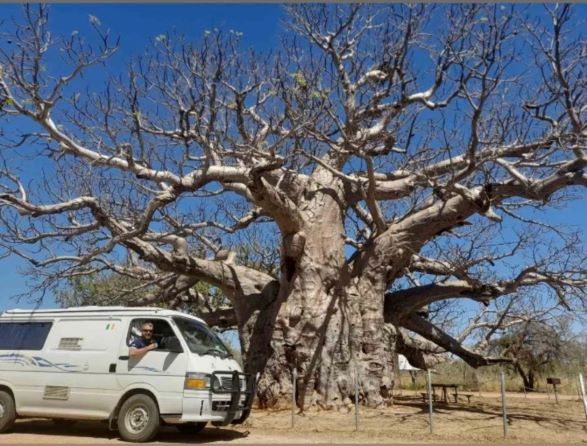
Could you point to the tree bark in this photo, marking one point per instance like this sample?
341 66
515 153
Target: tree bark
327 342
527 378
531 381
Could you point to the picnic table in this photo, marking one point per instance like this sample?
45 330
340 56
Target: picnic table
444 388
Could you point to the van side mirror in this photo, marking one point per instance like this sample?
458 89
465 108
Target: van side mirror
172 345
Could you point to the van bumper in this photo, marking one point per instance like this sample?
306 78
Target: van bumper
228 401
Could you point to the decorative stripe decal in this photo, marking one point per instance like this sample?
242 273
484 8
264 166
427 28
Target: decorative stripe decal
148 369
37 361
40 362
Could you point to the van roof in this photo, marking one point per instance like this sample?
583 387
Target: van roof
96 310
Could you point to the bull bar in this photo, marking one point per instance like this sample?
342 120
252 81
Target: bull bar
235 392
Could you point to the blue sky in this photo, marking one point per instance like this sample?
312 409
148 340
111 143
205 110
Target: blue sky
137 25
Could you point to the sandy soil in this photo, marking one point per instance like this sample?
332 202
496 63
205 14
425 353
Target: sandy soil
531 420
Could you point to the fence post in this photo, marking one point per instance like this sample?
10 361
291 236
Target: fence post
582 383
293 395
430 408
503 404
356 398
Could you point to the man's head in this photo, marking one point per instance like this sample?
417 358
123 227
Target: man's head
147 330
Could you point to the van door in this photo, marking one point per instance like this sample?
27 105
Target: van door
161 370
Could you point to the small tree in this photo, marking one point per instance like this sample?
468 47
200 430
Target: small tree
106 288
535 349
96 289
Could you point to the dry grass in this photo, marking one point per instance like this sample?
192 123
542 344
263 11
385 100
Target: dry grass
532 420
486 379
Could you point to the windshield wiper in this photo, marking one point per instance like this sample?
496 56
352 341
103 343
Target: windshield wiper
221 353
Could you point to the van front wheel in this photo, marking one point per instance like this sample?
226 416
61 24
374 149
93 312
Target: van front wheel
7 411
138 419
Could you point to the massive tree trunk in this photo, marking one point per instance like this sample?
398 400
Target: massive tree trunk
326 335
327 323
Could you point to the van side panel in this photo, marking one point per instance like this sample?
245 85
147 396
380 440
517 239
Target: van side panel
71 375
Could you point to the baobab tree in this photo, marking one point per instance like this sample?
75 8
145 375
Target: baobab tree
382 161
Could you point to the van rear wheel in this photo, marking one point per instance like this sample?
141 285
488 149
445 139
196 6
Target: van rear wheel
7 411
138 419
191 428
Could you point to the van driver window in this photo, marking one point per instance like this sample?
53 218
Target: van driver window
146 335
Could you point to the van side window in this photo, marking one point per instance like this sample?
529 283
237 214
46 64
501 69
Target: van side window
162 332
23 335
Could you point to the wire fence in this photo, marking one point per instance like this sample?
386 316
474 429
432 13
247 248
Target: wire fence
433 400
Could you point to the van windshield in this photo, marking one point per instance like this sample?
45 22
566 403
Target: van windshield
200 339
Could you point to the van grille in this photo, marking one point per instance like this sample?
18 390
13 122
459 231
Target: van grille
220 405
226 383
56 393
70 344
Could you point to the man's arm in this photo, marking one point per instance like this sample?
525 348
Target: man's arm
134 352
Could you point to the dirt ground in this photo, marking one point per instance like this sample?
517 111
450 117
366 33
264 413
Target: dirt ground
535 419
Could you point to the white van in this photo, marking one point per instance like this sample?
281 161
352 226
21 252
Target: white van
74 364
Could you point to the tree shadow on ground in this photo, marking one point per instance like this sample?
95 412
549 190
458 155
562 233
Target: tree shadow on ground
99 430
410 401
540 416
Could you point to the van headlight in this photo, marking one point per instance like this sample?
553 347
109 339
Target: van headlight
197 381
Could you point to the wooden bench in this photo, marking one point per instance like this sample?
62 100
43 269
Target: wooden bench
466 395
425 396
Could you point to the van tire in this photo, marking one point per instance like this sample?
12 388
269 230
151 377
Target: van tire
138 418
191 428
7 411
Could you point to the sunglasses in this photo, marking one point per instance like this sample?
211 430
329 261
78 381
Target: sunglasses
147 331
